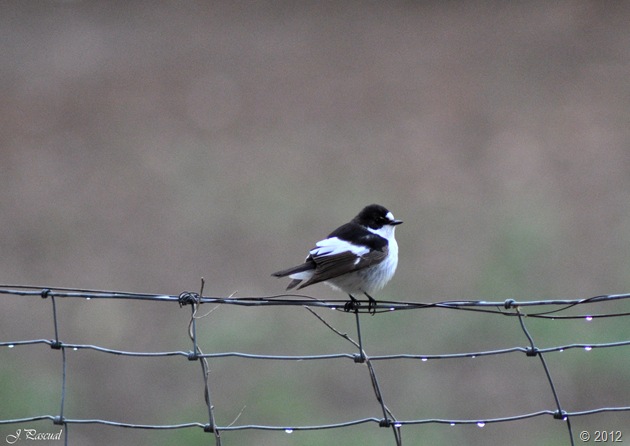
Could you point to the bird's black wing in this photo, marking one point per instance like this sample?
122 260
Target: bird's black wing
338 255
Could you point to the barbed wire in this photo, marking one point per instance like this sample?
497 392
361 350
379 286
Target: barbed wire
510 308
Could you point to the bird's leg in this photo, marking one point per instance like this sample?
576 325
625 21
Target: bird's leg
352 304
371 304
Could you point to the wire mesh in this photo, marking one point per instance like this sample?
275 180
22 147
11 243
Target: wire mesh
521 311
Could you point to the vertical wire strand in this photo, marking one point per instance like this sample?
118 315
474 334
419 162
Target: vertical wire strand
560 413
54 306
212 427
360 339
63 384
386 422
387 414
533 352
59 420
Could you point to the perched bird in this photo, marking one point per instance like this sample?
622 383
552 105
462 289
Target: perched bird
358 257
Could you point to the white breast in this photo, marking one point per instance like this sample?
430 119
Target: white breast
372 279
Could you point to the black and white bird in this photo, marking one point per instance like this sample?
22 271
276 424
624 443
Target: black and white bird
358 257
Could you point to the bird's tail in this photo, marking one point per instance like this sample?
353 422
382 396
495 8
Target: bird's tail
307 266
294 270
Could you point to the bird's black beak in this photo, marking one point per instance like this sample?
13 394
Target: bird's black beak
395 222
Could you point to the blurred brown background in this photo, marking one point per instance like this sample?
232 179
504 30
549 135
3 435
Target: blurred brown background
144 145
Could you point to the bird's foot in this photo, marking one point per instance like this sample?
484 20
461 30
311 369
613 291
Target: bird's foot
371 304
352 304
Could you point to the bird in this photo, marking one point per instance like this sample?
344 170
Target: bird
358 257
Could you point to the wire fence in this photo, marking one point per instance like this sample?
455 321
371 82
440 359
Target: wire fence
520 311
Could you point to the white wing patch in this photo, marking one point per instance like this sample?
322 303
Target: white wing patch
333 246
304 275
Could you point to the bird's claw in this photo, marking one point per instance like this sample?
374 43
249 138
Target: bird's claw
352 305
371 305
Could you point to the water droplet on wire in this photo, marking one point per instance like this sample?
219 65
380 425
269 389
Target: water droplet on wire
588 348
289 431
589 318
481 424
